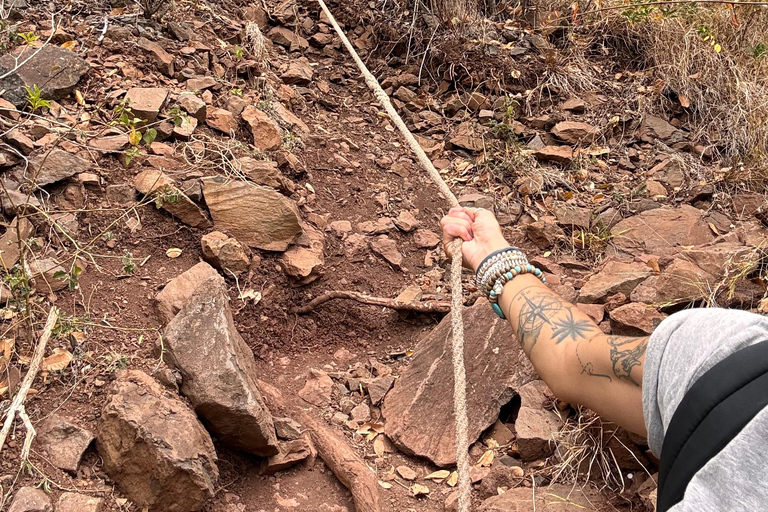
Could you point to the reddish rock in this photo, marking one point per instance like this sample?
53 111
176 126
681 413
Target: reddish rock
574 132
288 38
655 189
653 128
304 264
746 204
225 253
55 165
572 216
670 172
20 141
180 289
614 277
201 84
263 172
529 185
146 103
546 499
536 429
63 442
638 316
468 136
299 72
266 134
74 502
558 154
681 281
544 233
381 226
110 144
193 105
379 387
426 239
30 499
355 247
167 195
221 120
48 275
154 447
185 130
163 59
317 390
595 311
387 249
340 228
575 105
290 453
661 231
421 423
716 259
55 70
9 242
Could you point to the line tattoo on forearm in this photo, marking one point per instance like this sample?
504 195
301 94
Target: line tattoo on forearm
536 310
626 353
570 327
589 367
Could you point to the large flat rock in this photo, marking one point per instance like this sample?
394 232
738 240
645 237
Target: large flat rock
219 371
662 231
257 216
55 165
53 69
154 447
554 498
419 409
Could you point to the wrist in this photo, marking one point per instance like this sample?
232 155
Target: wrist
486 249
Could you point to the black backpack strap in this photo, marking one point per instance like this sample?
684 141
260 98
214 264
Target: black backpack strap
716 408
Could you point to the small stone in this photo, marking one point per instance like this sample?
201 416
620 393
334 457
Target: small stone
379 387
194 106
475 200
655 189
299 72
477 474
387 249
110 144
303 263
406 473
48 275
287 428
343 355
55 70
224 253
637 316
405 221
572 216
544 233
615 277
529 185
288 38
20 141
339 418
340 228
63 442
74 502
381 226
500 433
221 120
535 430
201 84
318 388
266 133
122 194
558 154
30 499
185 130
426 239
56 165
575 105
163 59
355 247
290 454
180 289
146 103
361 413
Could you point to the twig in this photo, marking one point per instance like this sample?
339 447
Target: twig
34 366
104 30
31 433
431 306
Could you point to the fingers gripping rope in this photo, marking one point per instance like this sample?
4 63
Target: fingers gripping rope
457 322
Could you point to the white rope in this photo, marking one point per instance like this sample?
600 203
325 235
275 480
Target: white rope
457 322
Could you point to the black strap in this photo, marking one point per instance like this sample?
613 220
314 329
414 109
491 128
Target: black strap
716 408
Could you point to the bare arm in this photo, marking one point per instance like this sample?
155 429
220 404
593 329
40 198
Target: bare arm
580 363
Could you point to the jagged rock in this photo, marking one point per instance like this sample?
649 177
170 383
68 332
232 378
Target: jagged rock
14 201
529 185
290 453
662 231
154 447
574 132
405 221
31 499
554 498
287 428
558 154
340 228
110 144
500 477
266 133
288 38
262 172
257 216
670 172
426 239
544 233
681 281
387 249
194 106
637 316
55 165
289 119
654 189
221 120
146 102
201 84
419 410
305 264
381 226
317 390
360 413
299 72
355 247
431 147
535 429
224 253
185 129
20 141
121 194
575 105
74 502
572 216
219 371
379 387
746 204
53 69
653 128
14 93
48 275
614 277
155 183
717 259
63 442
18 229
406 473
467 136
595 311
163 59
178 291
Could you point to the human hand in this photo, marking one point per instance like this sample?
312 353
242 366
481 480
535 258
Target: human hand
478 228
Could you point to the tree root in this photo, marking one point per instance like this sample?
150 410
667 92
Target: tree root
431 306
17 407
335 452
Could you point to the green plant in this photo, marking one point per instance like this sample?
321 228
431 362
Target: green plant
236 91
176 115
131 153
17 282
168 195
706 35
760 50
71 276
238 53
29 37
129 266
34 98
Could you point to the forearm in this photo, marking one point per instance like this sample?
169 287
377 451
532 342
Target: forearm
580 363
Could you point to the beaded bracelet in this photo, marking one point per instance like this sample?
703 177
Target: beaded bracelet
498 287
500 267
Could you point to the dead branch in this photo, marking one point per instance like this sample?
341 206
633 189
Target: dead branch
431 306
17 407
335 452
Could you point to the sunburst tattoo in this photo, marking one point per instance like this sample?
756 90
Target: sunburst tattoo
570 328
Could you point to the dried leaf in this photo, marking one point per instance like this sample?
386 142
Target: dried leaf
134 137
418 489
438 475
6 347
59 360
69 45
517 471
79 98
653 263
453 479
713 228
385 485
173 252
486 459
684 101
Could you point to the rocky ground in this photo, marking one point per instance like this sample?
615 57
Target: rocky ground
181 182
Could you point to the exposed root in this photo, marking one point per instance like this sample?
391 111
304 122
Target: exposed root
431 306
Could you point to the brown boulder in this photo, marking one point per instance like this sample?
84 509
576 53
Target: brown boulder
554 498
154 447
31 499
55 165
146 102
257 216
55 70
266 133
74 502
178 291
219 371
419 408
63 442
661 231
574 132
170 198
636 316
224 253
194 105
681 281
614 277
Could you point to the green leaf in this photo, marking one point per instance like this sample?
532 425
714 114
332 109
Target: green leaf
59 274
149 136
